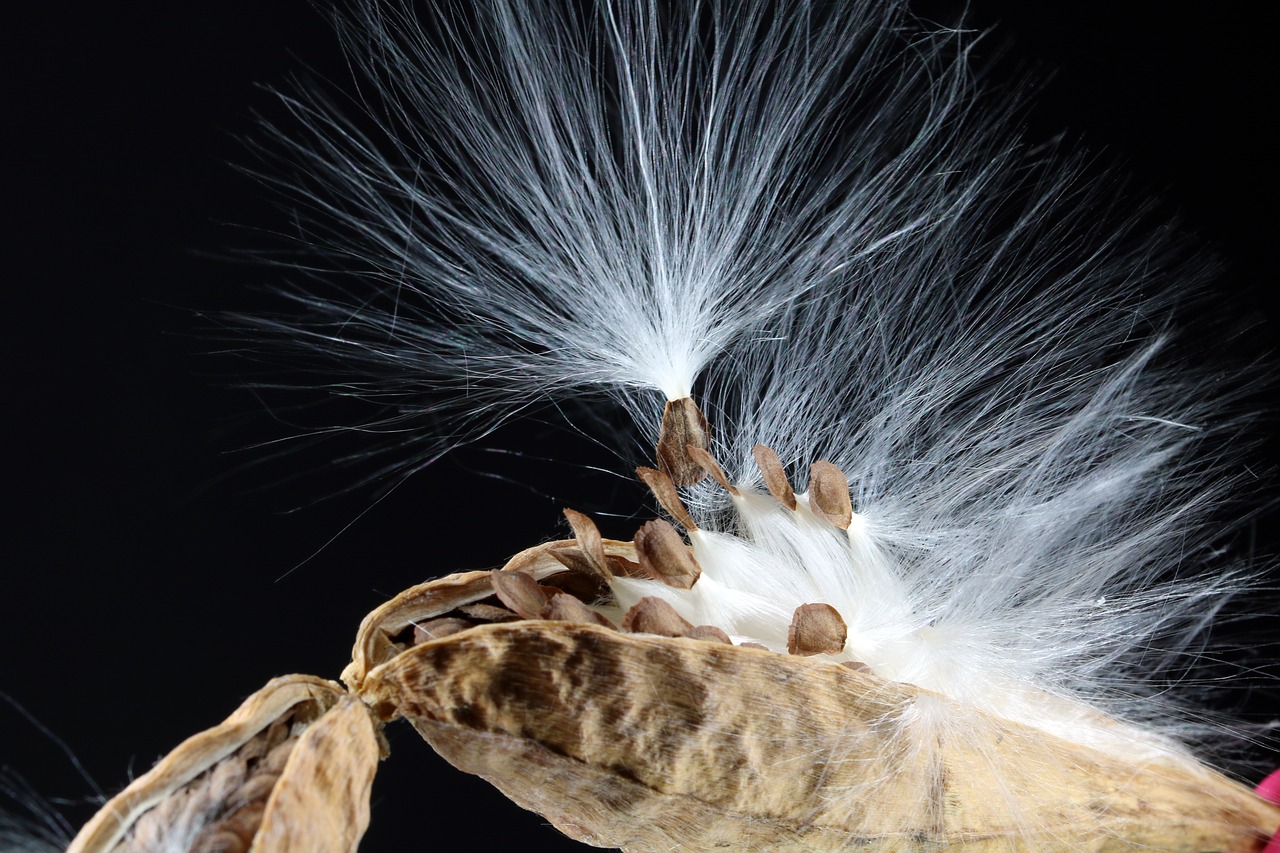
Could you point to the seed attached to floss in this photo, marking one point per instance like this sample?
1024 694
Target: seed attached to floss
712 467
829 494
683 426
651 615
664 556
566 608
775 476
816 629
664 490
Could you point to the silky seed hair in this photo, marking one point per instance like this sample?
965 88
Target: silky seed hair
911 387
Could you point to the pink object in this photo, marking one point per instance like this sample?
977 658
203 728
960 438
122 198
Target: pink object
1269 789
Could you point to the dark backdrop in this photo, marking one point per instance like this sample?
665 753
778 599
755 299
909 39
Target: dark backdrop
144 589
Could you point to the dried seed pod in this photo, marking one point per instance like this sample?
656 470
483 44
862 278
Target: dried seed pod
388 630
291 769
725 747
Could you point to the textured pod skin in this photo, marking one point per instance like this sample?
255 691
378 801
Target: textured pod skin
319 802
659 744
378 639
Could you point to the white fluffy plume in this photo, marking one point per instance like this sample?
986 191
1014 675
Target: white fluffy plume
811 223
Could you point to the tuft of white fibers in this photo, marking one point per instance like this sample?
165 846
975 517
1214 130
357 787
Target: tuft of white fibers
533 200
806 217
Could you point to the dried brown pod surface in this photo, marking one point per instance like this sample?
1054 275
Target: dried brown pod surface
657 744
226 782
380 636
322 801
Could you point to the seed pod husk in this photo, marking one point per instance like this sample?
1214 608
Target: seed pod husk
290 769
655 744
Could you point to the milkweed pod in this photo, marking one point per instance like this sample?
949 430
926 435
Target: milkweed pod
291 769
656 743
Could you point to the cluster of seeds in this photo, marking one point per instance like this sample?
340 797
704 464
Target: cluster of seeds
661 555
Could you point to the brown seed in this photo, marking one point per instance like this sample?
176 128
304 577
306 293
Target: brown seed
816 629
664 556
565 608
519 592
683 425
652 615
573 559
665 491
712 467
710 633
775 476
856 666
433 629
829 494
619 565
753 646
488 613
589 541
584 587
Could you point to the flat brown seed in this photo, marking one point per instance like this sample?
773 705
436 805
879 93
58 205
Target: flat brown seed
652 615
683 425
589 541
664 556
519 592
856 666
665 491
433 629
775 476
710 633
829 494
589 587
488 613
624 567
816 629
565 608
753 646
712 467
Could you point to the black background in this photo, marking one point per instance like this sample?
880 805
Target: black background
146 571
